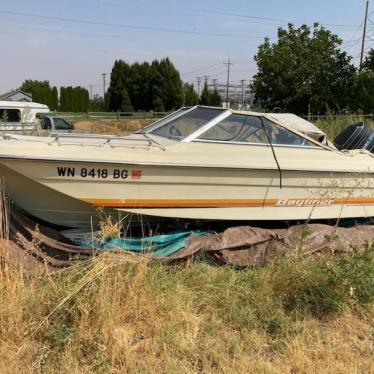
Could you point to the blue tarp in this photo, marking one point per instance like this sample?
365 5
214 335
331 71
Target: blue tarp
158 245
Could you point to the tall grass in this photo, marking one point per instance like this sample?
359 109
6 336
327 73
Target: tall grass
333 125
116 314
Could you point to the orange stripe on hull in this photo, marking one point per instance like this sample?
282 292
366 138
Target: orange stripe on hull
354 201
180 203
221 203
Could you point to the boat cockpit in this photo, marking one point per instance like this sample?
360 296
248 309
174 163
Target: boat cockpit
208 124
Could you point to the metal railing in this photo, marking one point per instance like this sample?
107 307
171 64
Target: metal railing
315 118
108 115
19 127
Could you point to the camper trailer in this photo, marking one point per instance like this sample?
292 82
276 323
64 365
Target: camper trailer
20 117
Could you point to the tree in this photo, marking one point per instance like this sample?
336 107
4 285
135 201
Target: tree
215 98
148 86
304 71
190 95
205 97
96 103
74 99
140 87
368 65
54 104
158 104
119 80
211 98
126 102
363 93
30 85
170 85
41 92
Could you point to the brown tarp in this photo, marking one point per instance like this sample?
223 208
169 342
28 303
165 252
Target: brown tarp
243 246
30 245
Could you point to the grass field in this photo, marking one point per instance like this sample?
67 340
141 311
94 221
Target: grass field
119 315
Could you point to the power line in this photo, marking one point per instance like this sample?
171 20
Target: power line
213 70
219 73
203 68
64 29
106 34
260 18
125 55
236 15
351 42
123 25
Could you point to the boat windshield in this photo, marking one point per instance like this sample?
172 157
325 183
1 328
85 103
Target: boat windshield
238 128
184 123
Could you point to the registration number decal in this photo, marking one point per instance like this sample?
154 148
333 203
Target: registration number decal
98 173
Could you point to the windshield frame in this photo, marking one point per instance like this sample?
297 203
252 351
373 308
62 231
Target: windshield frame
315 144
165 120
207 126
222 113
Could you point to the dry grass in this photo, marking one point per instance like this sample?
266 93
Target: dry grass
121 127
117 314
332 126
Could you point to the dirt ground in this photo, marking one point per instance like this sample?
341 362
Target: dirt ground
121 127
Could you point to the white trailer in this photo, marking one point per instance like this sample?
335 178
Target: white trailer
19 116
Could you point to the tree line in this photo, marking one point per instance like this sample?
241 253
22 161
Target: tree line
71 99
305 71
153 86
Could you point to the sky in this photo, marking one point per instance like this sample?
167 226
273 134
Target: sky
73 42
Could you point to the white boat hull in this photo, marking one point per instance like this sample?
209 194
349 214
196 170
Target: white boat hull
69 193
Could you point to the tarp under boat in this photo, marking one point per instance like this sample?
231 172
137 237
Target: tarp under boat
239 246
157 245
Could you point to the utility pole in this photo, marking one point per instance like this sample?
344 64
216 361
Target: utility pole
206 77
228 63
242 81
104 75
364 34
198 86
91 91
214 83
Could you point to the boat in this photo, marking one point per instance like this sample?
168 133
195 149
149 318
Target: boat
198 163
